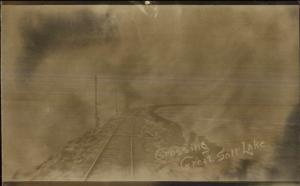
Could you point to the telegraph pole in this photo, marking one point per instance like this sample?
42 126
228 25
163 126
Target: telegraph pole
96 100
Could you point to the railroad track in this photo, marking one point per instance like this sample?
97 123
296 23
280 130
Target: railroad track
120 154
123 148
117 154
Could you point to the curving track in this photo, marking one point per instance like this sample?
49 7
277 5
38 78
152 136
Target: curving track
116 155
122 151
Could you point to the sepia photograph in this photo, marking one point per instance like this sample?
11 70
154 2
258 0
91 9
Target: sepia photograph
144 91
